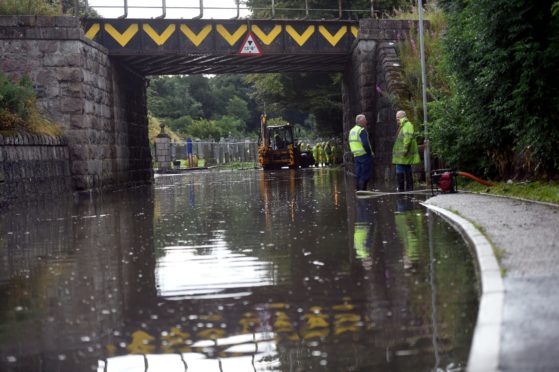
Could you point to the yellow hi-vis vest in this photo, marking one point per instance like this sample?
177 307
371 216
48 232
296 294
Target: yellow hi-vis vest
354 139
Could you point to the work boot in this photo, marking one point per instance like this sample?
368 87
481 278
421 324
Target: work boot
400 179
409 181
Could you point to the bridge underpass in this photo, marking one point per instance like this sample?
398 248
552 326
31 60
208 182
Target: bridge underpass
91 76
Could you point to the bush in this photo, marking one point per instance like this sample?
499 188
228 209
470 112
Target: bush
18 109
30 7
16 100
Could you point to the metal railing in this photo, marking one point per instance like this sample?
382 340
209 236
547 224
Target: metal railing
215 153
163 9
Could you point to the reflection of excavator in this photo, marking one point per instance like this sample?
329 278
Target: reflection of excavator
278 148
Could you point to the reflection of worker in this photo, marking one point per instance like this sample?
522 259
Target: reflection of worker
362 153
409 226
320 156
328 153
362 236
405 152
280 143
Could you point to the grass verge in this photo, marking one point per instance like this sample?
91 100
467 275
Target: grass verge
544 191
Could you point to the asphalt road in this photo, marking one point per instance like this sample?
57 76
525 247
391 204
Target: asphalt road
527 235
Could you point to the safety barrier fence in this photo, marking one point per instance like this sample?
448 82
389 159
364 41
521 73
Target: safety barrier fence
178 9
217 153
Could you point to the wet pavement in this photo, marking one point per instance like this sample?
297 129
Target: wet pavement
526 236
234 271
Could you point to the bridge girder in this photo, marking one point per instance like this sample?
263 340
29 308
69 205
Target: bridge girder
161 47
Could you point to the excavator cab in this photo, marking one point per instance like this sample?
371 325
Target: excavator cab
277 147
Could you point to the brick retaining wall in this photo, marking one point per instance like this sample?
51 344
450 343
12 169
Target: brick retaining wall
33 166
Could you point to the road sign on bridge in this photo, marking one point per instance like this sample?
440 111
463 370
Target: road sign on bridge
159 46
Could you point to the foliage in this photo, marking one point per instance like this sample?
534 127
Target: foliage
205 129
327 9
237 165
204 107
295 96
502 55
492 86
18 109
30 7
84 9
154 128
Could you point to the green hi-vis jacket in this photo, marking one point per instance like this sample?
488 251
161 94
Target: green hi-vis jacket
405 148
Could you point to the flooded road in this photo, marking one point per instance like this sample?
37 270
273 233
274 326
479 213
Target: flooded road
234 271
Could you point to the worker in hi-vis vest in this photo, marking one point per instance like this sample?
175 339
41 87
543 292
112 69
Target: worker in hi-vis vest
362 153
405 152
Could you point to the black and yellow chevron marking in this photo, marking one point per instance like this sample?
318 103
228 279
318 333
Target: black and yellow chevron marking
222 36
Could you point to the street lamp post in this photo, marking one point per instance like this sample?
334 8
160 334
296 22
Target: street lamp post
426 152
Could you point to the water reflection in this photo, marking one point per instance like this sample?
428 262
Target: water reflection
234 271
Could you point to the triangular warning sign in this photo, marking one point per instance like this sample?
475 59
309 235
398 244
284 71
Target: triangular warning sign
249 46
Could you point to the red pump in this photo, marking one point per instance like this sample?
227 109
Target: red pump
444 180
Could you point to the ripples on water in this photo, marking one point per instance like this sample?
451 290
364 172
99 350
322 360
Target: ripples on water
234 271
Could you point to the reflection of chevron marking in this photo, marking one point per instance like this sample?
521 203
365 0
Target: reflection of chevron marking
332 39
196 38
159 39
354 31
125 37
93 30
266 38
300 39
231 38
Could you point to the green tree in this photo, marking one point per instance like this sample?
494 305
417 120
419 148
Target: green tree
30 7
238 108
230 126
328 9
502 54
205 129
300 94
170 97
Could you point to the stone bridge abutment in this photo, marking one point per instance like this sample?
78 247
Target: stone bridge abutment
372 85
100 104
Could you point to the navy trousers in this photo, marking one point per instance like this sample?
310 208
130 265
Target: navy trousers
363 171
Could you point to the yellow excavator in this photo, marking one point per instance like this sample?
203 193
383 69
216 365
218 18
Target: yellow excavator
278 148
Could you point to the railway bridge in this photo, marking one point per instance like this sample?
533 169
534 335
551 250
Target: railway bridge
91 75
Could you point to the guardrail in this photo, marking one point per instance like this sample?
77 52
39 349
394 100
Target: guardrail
163 7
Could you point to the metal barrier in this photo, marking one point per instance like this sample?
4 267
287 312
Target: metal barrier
163 7
218 153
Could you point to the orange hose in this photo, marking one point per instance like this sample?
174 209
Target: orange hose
471 176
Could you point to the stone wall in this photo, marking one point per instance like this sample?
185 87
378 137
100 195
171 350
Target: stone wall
370 81
100 104
33 167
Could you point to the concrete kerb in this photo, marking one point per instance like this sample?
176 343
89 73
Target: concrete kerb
485 350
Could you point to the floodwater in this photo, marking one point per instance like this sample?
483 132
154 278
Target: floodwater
234 271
